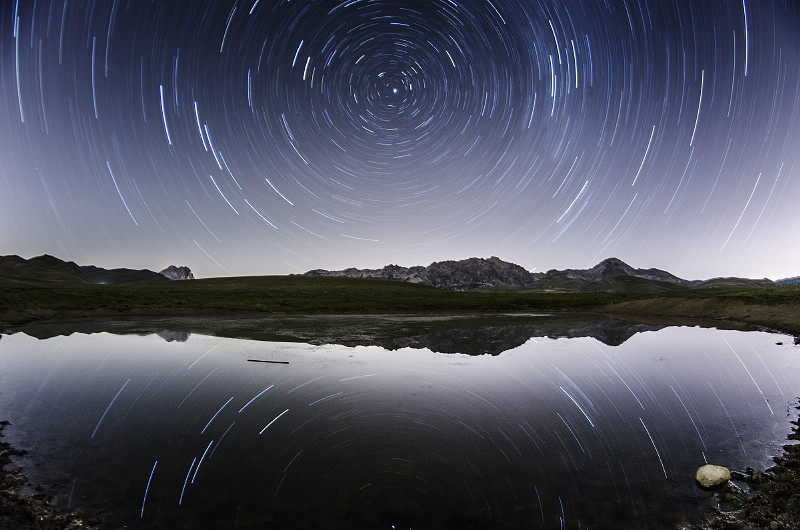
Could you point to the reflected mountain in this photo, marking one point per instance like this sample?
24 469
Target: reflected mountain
497 339
472 334
174 336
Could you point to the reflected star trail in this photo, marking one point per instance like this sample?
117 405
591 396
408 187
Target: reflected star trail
269 137
372 438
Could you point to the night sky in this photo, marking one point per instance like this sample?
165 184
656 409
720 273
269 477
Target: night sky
274 137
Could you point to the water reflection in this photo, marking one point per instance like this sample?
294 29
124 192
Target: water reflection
472 334
497 339
555 432
169 336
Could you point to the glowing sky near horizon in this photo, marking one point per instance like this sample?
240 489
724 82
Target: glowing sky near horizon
271 137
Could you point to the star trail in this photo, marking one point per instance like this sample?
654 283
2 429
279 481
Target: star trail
274 137
554 433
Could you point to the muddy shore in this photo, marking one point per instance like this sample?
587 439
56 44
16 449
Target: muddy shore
783 317
26 507
756 499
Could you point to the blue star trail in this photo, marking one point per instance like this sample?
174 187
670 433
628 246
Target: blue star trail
270 137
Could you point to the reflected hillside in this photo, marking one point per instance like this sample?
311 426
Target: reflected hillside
495 340
474 334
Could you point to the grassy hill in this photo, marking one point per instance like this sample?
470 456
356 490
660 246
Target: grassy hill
41 270
49 270
633 284
614 284
281 294
100 275
733 283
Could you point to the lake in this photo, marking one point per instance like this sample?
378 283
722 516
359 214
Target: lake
560 430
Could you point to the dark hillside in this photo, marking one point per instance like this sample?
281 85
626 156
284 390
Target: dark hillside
41 269
49 270
117 276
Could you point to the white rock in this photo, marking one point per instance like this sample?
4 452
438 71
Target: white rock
177 273
709 475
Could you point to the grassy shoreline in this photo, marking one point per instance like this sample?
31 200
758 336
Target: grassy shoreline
775 308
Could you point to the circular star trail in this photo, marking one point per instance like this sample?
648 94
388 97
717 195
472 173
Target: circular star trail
272 136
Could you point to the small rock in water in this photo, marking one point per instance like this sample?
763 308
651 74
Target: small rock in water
756 477
709 475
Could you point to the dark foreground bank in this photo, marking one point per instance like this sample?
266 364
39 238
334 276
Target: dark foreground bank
21 509
774 499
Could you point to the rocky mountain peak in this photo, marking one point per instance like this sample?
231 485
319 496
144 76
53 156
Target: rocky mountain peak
177 273
613 267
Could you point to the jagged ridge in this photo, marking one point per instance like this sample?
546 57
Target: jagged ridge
472 273
479 273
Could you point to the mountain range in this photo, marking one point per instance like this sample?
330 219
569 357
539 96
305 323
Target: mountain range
492 274
610 275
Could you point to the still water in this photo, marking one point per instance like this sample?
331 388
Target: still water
154 432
